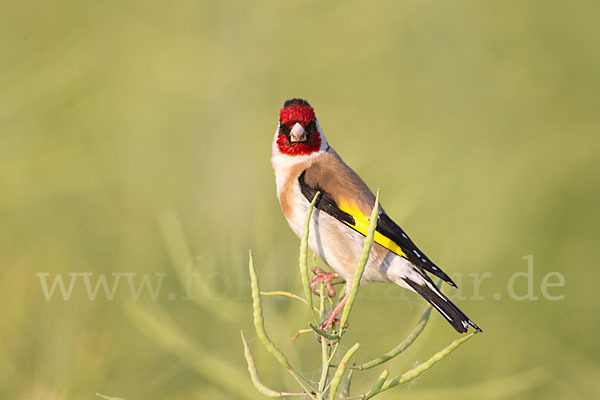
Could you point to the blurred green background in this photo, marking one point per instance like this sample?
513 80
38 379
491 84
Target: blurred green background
135 137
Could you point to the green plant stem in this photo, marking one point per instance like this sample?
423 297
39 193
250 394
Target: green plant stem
364 258
437 357
303 258
339 372
377 387
303 384
284 293
321 332
334 351
400 347
259 324
300 332
324 347
261 387
345 389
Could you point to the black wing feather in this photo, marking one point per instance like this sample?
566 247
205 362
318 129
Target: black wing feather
387 227
325 202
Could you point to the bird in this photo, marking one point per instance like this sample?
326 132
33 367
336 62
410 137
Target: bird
304 164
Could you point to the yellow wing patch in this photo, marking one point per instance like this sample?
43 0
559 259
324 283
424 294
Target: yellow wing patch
361 224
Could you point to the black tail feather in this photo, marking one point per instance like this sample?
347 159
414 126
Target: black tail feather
440 302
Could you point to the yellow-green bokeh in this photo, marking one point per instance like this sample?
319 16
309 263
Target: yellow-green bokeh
135 136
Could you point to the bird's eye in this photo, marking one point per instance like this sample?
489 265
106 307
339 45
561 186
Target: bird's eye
311 127
284 129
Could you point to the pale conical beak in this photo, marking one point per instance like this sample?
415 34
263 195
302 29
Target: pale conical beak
298 134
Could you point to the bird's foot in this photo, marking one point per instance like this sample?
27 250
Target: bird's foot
332 317
323 277
330 321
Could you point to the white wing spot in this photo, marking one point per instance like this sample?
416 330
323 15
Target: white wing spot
443 313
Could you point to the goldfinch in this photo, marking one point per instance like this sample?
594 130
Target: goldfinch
305 164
